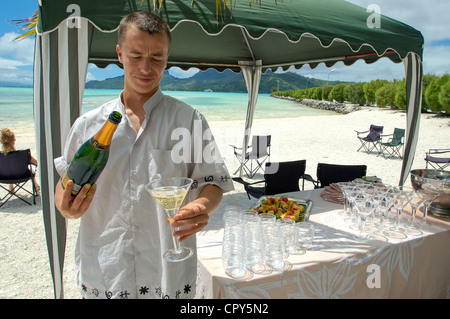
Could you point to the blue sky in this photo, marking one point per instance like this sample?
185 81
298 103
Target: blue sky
430 17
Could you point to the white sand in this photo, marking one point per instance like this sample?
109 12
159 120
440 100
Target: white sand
24 267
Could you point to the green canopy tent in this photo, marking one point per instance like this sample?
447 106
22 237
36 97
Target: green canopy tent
250 39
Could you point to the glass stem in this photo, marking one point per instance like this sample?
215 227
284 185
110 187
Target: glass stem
176 243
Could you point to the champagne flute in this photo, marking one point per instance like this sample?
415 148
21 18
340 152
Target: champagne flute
402 196
429 196
364 207
170 194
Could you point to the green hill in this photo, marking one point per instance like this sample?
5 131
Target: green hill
226 81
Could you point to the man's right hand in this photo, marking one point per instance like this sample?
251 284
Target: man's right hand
73 207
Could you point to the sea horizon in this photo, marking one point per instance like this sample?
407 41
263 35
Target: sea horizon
215 106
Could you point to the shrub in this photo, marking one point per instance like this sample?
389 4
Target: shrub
317 93
356 93
426 81
326 92
400 94
385 96
370 88
337 93
444 97
432 93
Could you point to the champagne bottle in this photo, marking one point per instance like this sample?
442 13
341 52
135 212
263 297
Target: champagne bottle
90 159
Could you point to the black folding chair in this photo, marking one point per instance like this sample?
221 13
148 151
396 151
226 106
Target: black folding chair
394 145
369 141
16 169
440 162
334 173
279 178
259 152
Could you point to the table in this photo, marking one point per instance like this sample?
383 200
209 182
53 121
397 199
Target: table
338 266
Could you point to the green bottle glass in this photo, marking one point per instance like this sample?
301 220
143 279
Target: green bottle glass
91 158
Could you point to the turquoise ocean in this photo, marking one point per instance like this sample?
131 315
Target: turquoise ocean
16 105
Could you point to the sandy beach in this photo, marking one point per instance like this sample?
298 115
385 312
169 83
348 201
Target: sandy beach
24 267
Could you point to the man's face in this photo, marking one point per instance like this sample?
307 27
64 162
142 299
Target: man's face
144 58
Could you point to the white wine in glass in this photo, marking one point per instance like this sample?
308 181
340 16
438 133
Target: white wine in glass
170 193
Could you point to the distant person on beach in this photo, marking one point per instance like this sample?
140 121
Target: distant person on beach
123 232
8 140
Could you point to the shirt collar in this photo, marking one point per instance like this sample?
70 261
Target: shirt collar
149 105
153 102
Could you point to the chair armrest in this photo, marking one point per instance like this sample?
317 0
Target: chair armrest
257 182
358 133
438 151
235 147
382 136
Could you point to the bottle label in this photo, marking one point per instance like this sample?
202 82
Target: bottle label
97 145
75 189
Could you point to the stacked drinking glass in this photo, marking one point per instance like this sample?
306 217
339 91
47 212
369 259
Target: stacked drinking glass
253 242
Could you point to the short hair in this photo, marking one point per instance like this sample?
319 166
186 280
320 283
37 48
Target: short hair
144 21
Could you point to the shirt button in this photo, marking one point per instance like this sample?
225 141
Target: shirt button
134 172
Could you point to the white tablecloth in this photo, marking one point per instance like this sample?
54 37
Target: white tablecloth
338 266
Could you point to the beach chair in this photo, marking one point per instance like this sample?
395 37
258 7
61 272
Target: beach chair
279 178
438 162
16 169
369 141
257 153
334 173
394 145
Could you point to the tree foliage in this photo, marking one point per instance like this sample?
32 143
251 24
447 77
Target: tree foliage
385 96
355 93
432 93
337 93
435 92
444 97
370 88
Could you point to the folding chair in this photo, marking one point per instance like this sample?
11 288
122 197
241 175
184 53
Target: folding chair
259 153
394 145
16 169
279 178
438 163
334 173
369 141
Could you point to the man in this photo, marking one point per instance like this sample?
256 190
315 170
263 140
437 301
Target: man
123 231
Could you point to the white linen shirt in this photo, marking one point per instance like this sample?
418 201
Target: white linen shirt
124 233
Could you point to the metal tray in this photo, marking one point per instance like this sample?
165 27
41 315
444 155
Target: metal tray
307 203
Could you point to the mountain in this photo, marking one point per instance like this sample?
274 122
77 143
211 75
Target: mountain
226 81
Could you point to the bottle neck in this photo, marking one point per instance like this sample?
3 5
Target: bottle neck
104 136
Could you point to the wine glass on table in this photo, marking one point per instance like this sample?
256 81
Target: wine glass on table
411 225
364 207
352 194
429 196
402 197
170 194
345 188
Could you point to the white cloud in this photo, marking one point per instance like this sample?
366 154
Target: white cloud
90 77
21 51
16 59
179 73
435 60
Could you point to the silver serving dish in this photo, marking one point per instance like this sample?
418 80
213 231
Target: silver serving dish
307 203
436 180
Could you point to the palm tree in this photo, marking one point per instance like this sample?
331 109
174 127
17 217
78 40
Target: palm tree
29 24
